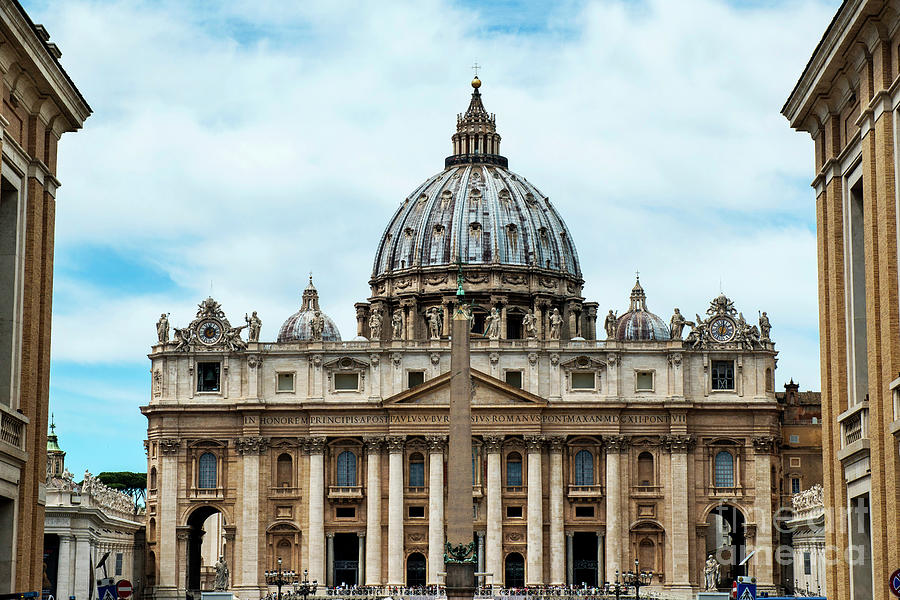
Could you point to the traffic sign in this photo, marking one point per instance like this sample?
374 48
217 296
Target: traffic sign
894 583
746 588
123 588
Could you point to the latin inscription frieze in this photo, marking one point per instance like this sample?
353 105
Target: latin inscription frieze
554 418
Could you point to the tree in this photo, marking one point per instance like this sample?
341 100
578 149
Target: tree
129 482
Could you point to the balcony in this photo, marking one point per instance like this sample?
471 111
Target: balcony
284 492
646 491
12 430
726 491
854 432
206 494
581 492
345 493
514 490
416 491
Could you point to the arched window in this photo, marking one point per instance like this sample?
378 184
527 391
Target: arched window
514 571
514 469
416 470
346 469
206 471
152 478
284 470
584 468
645 468
724 469
151 530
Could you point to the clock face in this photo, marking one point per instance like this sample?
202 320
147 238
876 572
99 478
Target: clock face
722 329
209 332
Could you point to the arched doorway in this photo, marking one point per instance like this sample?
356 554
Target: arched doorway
415 569
726 542
204 545
514 571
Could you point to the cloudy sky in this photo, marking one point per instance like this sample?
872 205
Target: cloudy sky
235 147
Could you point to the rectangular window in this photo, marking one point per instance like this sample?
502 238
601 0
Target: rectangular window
723 374
807 563
285 382
345 512
346 381
208 376
795 439
414 378
795 461
514 378
9 236
119 559
584 512
513 512
644 381
416 512
795 485
582 381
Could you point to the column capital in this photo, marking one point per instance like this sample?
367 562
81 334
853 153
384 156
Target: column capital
395 443
361 534
679 444
373 443
329 535
557 443
436 443
617 444
251 445
169 445
534 443
570 534
492 443
315 445
764 444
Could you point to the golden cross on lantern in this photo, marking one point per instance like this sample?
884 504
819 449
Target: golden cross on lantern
475 68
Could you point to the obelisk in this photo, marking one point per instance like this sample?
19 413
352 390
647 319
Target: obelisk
459 555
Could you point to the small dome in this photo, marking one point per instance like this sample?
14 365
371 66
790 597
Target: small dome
639 323
299 326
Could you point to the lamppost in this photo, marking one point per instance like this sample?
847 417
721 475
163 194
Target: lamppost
280 578
617 587
306 588
634 578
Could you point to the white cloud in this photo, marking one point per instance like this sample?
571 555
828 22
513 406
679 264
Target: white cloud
250 143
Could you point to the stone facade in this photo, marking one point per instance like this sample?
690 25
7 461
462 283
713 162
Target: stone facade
587 453
39 104
808 525
846 100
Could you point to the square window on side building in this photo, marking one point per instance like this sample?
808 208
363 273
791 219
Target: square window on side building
722 373
514 378
584 512
795 439
416 512
513 512
643 381
285 382
414 378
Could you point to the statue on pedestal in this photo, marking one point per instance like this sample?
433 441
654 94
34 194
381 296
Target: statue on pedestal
555 324
221 582
676 325
764 327
610 325
397 324
529 322
711 572
316 326
255 324
162 328
375 322
492 323
435 322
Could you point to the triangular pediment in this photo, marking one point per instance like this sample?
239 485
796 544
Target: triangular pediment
487 391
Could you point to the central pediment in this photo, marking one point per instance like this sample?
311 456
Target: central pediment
486 391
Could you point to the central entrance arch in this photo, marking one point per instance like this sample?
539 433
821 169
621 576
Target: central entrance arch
204 546
726 541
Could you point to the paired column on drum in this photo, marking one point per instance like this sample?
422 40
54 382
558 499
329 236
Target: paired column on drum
316 535
373 510
436 445
396 574
557 529
494 532
534 573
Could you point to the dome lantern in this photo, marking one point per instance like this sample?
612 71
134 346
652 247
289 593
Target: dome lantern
476 139
309 323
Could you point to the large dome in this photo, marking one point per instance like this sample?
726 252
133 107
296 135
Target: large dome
299 326
476 212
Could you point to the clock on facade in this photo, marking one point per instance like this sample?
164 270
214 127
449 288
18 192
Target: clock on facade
209 332
722 329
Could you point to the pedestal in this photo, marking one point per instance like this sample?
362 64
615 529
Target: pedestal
460 581
216 596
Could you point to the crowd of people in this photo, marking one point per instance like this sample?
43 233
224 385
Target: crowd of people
433 592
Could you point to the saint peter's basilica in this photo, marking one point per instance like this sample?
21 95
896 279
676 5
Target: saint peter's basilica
595 444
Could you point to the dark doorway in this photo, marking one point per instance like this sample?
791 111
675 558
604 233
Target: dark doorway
514 325
346 559
51 562
725 541
415 569
197 523
514 573
584 559
478 318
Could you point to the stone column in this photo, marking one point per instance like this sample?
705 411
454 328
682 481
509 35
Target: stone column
64 568
395 510
362 316
480 536
250 449
762 505
168 474
615 530
494 516
557 527
329 559
411 317
679 446
534 533
316 535
361 558
570 557
373 510
83 575
436 444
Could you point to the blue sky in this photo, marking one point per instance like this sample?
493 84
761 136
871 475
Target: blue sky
235 147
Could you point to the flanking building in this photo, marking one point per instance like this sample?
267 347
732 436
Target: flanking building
654 443
846 99
38 103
